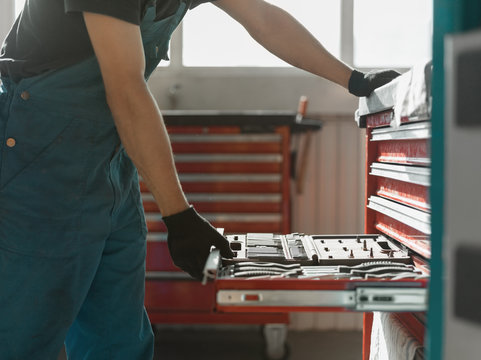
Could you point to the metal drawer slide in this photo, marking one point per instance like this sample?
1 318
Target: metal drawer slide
360 299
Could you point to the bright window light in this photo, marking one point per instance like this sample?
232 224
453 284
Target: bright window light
212 39
392 32
19 6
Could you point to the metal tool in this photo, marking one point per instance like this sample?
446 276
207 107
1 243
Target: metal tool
366 270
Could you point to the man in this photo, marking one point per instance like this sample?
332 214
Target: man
73 103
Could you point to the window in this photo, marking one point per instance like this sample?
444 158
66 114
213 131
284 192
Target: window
384 33
19 6
382 39
212 38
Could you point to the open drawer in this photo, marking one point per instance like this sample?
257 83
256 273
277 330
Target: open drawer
298 272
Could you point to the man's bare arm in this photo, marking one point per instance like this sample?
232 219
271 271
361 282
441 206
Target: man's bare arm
286 38
119 50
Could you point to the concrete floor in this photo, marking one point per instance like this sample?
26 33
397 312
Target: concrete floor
247 343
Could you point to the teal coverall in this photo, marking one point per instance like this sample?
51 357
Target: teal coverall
72 228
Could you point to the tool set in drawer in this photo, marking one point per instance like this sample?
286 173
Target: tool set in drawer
354 257
299 272
315 249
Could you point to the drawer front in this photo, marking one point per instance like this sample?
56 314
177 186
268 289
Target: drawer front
158 257
409 152
232 222
298 272
408 236
178 296
225 203
409 194
417 219
383 118
226 143
264 294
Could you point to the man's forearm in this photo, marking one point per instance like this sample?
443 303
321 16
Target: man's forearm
143 134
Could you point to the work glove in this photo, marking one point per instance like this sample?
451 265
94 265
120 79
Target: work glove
363 84
190 238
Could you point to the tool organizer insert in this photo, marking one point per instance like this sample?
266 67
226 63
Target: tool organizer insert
310 256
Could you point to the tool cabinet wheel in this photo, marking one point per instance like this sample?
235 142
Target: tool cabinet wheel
275 336
284 356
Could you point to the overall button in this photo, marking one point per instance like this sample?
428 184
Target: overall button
25 95
11 142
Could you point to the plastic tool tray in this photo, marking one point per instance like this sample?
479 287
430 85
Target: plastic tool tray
316 256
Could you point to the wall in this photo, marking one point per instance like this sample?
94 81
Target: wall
247 88
332 201
6 16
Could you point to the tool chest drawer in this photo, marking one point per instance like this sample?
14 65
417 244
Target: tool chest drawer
398 179
298 272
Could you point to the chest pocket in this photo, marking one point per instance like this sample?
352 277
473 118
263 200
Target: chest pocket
156 35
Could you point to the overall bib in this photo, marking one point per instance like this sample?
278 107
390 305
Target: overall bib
72 228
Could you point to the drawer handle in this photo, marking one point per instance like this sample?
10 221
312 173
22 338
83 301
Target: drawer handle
251 297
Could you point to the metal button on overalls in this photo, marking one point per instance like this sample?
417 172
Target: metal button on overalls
25 95
11 142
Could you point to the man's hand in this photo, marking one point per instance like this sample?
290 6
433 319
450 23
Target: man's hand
361 84
190 238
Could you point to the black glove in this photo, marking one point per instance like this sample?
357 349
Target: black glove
190 238
361 84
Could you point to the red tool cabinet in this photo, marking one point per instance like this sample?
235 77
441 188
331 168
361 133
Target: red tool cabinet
398 174
403 187
397 206
235 169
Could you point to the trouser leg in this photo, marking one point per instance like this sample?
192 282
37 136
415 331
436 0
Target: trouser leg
112 323
39 299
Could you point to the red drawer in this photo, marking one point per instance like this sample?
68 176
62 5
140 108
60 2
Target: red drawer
226 148
225 207
410 194
406 235
383 118
203 129
410 152
179 295
232 187
228 168
158 257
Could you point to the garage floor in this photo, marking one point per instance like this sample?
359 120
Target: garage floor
248 344
230 343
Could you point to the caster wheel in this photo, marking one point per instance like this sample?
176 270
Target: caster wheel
279 355
275 336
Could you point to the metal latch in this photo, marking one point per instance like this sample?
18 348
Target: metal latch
212 266
391 299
